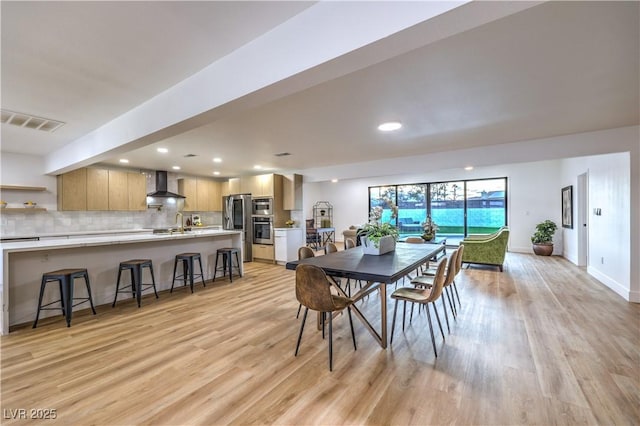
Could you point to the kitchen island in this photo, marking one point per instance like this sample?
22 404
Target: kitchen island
24 262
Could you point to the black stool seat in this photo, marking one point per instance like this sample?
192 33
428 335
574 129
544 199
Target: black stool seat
227 263
137 286
65 279
187 260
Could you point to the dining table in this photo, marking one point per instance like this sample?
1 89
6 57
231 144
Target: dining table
377 271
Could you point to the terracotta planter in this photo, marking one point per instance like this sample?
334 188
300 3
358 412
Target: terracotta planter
543 249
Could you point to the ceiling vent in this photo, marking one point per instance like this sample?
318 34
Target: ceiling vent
282 154
190 155
30 121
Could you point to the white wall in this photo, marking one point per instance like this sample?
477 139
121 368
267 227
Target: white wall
609 233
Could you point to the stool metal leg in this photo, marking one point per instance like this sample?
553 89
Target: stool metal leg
136 271
175 267
201 272
153 279
230 267
133 281
215 268
67 295
115 298
44 281
86 281
238 265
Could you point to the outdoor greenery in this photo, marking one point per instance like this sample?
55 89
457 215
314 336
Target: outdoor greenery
544 232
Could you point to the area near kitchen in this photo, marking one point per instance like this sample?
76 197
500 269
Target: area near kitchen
103 215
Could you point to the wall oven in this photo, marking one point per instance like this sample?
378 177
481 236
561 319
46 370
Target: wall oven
263 229
262 206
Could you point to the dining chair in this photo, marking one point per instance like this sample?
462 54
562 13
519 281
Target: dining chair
427 282
349 243
422 296
313 290
304 252
431 272
416 240
330 248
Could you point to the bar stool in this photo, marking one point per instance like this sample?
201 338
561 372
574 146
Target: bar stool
227 262
187 269
65 279
137 286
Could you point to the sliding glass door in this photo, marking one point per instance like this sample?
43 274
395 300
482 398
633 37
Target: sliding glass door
486 205
447 208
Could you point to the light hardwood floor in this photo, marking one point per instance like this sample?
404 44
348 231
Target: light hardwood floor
541 343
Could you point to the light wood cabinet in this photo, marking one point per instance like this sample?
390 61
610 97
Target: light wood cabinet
137 190
118 196
202 195
292 192
248 185
233 186
72 190
263 252
97 189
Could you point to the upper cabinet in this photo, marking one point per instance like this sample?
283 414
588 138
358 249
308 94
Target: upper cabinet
101 189
202 195
292 192
268 185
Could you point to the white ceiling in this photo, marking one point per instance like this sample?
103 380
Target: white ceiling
552 69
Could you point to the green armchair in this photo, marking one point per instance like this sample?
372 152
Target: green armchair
486 251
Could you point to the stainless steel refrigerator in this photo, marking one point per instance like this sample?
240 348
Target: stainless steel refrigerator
236 215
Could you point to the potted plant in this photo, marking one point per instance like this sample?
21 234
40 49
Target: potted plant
377 237
542 239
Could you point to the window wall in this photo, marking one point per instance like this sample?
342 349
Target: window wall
458 208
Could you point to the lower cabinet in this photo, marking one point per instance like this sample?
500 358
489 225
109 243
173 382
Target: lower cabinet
287 241
263 252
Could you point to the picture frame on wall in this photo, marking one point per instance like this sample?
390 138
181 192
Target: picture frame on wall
567 207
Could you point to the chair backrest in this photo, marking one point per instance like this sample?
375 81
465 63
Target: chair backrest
349 243
305 253
414 240
452 265
459 258
330 248
438 281
313 289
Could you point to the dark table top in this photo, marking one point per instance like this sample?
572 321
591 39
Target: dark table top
386 268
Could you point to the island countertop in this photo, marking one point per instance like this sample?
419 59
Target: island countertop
24 262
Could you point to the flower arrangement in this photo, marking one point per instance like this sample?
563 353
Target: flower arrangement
374 230
430 228
290 223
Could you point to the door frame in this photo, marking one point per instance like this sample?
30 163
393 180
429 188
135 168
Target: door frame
583 218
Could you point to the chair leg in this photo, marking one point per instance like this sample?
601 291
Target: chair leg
433 338
451 305
40 301
438 318
201 272
353 334
455 288
238 263
175 267
215 270
304 318
330 342
299 308
393 323
404 311
446 315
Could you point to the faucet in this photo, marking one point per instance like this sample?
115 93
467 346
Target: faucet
181 228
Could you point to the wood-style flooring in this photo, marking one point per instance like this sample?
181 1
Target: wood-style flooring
541 343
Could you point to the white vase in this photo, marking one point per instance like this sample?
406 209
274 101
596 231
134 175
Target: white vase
385 245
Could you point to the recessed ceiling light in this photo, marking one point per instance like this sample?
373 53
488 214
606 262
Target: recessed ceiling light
389 126
124 160
217 160
216 173
468 168
176 167
162 150
334 180
257 167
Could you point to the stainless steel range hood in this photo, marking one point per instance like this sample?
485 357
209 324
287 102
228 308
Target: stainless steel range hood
161 187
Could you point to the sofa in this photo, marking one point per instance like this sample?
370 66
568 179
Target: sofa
486 250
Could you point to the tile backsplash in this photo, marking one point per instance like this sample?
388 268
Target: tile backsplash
55 222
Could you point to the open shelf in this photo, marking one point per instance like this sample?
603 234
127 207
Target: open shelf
22 209
22 188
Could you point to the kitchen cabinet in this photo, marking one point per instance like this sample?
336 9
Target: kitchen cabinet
137 190
232 186
287 241
263 252
267 185
97 189
292 192
118 197
72 190
202 195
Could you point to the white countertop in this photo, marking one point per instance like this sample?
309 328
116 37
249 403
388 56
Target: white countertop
103 232
103 240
